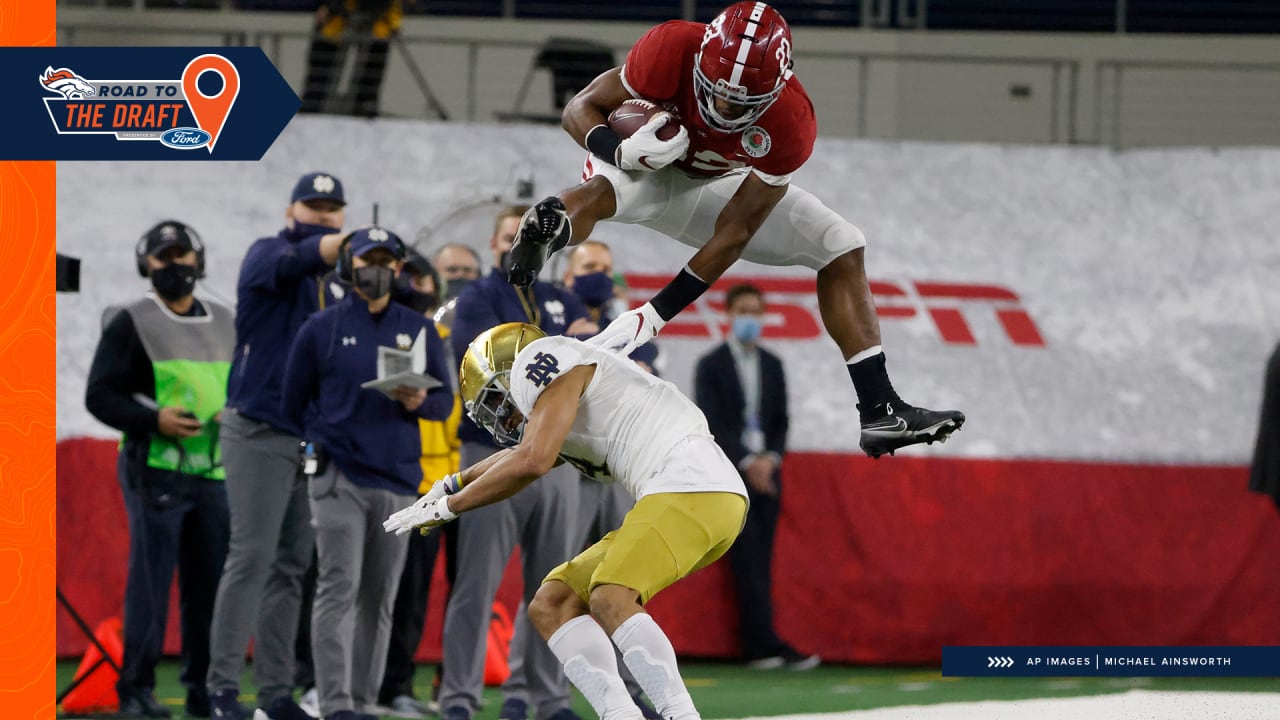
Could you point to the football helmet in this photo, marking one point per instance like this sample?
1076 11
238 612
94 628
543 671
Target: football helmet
744 61
485 378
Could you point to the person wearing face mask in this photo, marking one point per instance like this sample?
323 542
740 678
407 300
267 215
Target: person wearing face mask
369 448
159 375
271 537
742 390
541 521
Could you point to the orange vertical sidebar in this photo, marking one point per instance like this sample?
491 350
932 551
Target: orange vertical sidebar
27 388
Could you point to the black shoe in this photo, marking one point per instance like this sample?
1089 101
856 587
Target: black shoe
514 709
896 425
544 229
284 709
142 704
225 705
455 712
197 705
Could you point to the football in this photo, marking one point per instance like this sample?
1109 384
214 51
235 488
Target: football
632 114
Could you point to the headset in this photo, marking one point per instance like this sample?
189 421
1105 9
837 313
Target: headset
140 250
342 268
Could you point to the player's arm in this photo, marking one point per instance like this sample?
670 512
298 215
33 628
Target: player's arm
539 449
592 105
738 222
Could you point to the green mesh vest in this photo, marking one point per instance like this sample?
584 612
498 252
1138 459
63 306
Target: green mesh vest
191 357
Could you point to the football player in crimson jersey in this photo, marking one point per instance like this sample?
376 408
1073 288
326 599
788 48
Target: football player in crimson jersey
722 185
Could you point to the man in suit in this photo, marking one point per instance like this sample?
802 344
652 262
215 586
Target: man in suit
742 389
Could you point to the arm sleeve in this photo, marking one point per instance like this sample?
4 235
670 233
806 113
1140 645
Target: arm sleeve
300 374
653 65
120 369
439 402
278 266
706 397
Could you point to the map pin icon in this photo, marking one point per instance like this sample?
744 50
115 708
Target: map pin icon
211 110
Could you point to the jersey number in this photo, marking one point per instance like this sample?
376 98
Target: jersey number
712 160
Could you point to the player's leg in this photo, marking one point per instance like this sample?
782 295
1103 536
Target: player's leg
801 230
569 218
559 612
555 222
664 538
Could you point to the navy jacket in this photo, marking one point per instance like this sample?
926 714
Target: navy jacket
372 439
276 292
491 301
718 391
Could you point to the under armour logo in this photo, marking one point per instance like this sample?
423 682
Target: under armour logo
544 367
322 183
349 340
378 234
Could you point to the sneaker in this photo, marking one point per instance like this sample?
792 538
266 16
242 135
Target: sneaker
197 705
281 709
225 705
514 709
645 708
897 425
773 662
455 712
141 703
565 714
544 229
800 664
406 706
341 715
310 703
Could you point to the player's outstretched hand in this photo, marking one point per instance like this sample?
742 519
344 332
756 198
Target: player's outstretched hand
426 513
644 151
629 330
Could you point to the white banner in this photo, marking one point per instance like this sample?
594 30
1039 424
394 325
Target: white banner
1075 303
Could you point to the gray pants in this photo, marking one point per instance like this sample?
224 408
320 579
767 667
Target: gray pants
270 550
542 518
359 570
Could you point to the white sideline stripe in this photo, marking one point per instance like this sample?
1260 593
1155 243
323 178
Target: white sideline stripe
1132 705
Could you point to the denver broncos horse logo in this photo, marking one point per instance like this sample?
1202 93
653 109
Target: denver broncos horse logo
65 82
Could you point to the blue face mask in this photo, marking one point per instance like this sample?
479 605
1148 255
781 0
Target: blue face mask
747 328
303 230
594 289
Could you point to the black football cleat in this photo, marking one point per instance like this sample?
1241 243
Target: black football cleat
544 229
897 425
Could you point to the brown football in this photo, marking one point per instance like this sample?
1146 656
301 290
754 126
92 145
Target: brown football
632 114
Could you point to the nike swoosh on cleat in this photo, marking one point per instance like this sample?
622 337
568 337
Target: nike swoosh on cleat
898 425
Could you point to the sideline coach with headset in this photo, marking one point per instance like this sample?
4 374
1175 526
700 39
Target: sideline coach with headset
366 461
159 375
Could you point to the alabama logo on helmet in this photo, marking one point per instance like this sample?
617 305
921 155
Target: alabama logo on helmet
756 141
175 112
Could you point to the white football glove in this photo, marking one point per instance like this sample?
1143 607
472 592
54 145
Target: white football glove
644 151
629 330
421 514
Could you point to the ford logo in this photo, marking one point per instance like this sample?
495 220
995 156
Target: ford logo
185 138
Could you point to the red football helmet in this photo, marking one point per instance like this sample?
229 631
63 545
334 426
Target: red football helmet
744 62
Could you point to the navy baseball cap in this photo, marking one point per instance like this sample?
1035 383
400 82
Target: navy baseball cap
318 186
366 239
170 233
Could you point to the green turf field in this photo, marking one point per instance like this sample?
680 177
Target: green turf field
731 691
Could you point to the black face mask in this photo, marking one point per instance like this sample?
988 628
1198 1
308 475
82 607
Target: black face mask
453 288
174 281
374 281
303 230
422 302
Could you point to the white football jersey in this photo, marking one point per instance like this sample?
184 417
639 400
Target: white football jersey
632 427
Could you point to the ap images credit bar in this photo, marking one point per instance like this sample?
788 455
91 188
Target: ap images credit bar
1111 661
143 103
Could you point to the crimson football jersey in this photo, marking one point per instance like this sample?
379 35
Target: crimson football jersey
660 68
